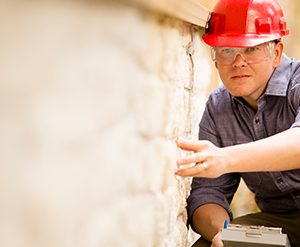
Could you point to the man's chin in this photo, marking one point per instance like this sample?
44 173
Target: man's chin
236 93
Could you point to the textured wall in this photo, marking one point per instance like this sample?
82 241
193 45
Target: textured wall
92 96
291 10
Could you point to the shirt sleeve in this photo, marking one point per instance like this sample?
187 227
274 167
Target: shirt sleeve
294 98
297 119
218 190
211 190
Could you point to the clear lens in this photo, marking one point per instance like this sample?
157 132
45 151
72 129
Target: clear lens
251 55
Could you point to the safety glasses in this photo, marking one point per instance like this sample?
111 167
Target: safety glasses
251 55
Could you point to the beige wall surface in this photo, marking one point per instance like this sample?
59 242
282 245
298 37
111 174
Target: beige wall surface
291 10
93 95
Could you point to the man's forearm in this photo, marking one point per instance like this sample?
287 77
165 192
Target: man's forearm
275 153
209 219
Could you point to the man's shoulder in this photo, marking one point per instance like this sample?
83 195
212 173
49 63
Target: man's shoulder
293 64
292 75
295 75
219 96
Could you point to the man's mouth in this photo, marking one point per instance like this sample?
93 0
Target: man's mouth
240 76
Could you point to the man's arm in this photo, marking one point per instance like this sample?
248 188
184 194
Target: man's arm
209 219
275 153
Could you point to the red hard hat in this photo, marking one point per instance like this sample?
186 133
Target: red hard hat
245 23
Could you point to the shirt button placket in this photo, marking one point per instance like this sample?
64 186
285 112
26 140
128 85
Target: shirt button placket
256 120
257 127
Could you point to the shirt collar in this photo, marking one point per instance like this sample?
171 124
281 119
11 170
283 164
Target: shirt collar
279 80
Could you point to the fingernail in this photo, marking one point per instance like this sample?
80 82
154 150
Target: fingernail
177 172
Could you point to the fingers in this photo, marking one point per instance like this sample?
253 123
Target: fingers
189 145
186 165
192 158
217 242
192 171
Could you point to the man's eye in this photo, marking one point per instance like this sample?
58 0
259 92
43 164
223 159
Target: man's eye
227 50
252 49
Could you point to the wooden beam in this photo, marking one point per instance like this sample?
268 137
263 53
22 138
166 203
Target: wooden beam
196 12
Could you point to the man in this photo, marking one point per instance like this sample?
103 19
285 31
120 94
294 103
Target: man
250 127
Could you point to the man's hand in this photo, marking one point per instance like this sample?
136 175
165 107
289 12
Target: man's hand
210 161
216 241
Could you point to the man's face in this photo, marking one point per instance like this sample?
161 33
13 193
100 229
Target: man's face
245 72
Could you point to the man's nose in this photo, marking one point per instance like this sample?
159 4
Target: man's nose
239 60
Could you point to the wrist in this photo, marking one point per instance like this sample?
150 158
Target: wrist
232 158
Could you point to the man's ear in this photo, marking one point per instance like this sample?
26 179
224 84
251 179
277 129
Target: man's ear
216 65
278 50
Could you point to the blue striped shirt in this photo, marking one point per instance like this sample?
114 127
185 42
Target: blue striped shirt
227 121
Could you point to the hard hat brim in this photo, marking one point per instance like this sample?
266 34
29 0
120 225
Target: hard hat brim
247 40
